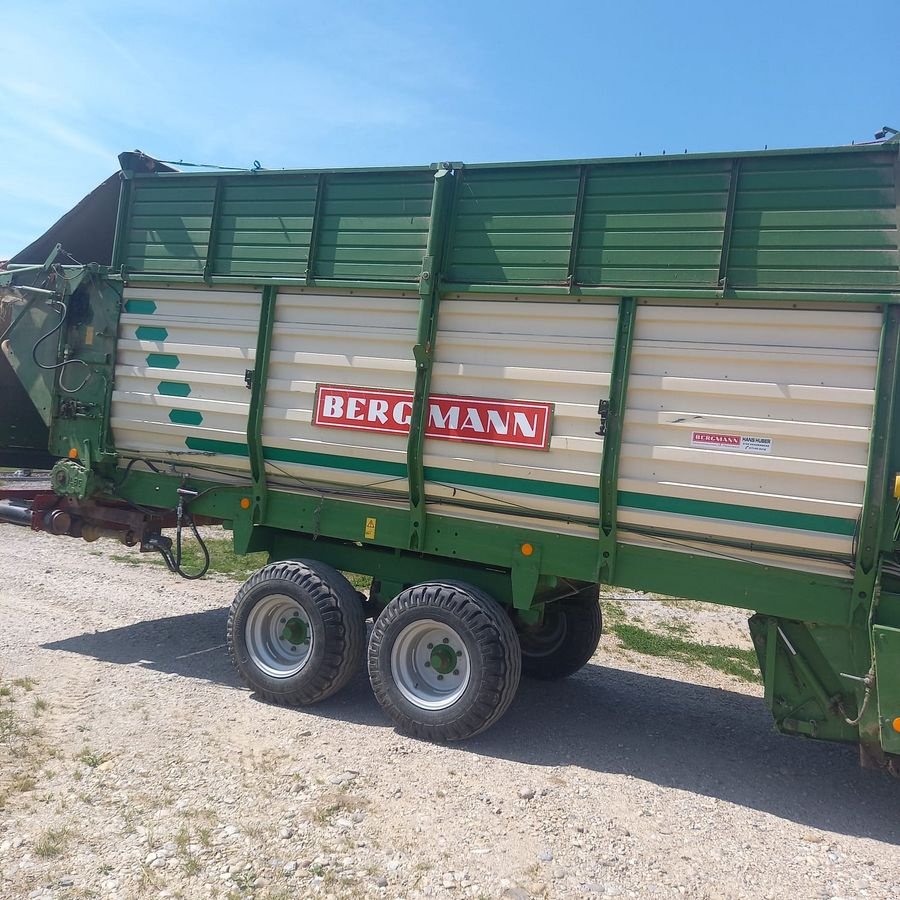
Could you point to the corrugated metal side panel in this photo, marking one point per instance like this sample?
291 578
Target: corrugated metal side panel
812 220
180 369
557 352
169 225
374 227
371 226
656 223
803 378
827 221
337 339
264 227
513 226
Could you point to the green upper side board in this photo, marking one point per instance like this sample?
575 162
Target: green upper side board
813 220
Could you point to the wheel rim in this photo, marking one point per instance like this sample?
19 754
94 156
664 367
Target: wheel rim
544 639
279 635
430 664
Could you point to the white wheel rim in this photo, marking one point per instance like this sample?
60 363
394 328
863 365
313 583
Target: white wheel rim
430 664
279 636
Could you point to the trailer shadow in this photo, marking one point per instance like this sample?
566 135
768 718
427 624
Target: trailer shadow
709 741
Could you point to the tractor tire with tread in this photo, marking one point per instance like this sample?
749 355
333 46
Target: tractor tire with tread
489 653
567 638
327 604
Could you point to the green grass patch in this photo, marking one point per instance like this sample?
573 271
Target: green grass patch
91 758
51 843
732 660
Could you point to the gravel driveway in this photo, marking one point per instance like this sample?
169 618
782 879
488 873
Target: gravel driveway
149 771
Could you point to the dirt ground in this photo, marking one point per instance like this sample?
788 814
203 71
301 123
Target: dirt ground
137 765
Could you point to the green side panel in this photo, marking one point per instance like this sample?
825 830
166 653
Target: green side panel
514 226
818 221
150 333
736 513
264 225
185 417
887 667
140 307
373 226
163 361
801 665
658 223
169 225
174 389
809 220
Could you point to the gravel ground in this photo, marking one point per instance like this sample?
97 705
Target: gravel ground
154 773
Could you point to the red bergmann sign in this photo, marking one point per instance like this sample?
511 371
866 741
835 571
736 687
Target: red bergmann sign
510 423
716 439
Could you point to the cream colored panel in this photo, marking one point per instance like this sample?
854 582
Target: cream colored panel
802 379
348 339
210 339
550 351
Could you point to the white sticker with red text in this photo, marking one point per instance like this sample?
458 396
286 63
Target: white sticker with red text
713 440
476 420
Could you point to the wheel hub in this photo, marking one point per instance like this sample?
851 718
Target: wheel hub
430 665
296 631
279 636
443 659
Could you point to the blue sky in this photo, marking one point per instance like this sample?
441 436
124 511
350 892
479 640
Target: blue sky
303 84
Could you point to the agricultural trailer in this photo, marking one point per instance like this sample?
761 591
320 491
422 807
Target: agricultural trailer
492 388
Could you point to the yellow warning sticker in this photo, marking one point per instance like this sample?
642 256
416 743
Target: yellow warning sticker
370 529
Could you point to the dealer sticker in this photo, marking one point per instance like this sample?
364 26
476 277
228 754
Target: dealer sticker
744 443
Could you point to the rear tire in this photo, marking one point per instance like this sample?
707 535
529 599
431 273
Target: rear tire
444 661
567 638
296 632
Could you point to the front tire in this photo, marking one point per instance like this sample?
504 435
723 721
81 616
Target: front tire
296 632
566 639
444 661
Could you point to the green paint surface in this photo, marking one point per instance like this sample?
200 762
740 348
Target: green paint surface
150 333
809 220
185 417
732 512
700 508
140 307
173 389
163 361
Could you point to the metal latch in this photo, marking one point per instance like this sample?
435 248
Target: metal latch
603 411
248 379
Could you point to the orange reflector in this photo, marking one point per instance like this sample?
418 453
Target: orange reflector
897 487
73 453
527 549
245 503
896 724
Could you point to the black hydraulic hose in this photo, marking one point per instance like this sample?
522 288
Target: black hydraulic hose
173 560
203 548
64 314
